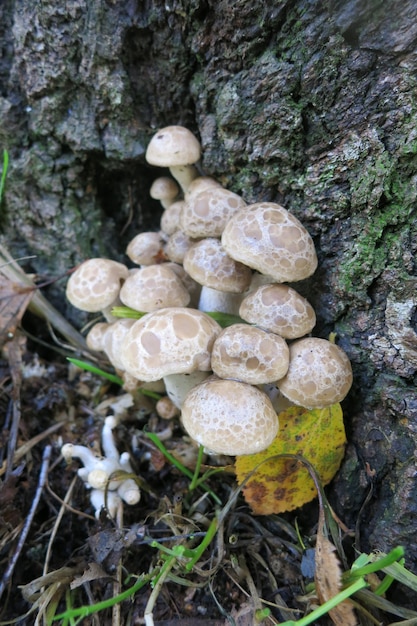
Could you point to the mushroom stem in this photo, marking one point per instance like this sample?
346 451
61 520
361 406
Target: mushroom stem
99 499
178 385
86 456
184 174
221 301
129 491
107 438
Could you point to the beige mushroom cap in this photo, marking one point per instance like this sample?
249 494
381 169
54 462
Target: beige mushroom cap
280 309
153 287
170 220
209 264
177 245
229 417
201 183
268 238
206 213
319 374
95 284
172 146
146 248
169 341
95 337
192 286
113 339
249 354
164 189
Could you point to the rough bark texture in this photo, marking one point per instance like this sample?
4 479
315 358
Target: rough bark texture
308 103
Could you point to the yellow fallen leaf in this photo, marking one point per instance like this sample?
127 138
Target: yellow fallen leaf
284 484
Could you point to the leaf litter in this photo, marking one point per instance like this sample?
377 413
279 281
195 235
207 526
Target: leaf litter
250 570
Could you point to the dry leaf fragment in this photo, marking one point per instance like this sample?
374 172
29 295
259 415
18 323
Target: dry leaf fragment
61 577
93 572
14 300
328 579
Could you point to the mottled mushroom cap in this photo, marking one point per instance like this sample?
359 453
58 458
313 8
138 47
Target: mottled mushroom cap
206 213
146 248
95 284
201 183
95 337
319 374
268 238
113 339
170 341
170 220
209 264
280 309
172 146
153 287
177 245
229 417
249 354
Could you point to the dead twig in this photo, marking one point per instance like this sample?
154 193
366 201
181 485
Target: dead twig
29 519
28 445
14 349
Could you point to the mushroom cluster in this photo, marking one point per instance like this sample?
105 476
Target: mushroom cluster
215 253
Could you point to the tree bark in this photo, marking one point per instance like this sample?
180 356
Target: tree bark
310 104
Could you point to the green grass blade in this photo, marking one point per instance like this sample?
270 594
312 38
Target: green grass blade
329 605
402 575
89 367
158 443
126 312
381 562
84 611
4 173
225 319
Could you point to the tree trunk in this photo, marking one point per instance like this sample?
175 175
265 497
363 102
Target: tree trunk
310 104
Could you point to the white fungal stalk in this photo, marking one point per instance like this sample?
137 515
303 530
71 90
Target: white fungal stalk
105 475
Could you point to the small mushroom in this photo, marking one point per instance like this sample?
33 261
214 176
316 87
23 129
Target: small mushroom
266 237
95 285
113 339
229 417
177 245
171 344
95 336
205 214
146 249
153 287
201 183
249 354
319 374
165 190
189 283
170 220
220 276
279 309
166 408
177 148
208 263
173 340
